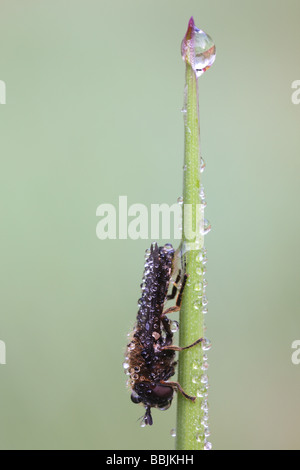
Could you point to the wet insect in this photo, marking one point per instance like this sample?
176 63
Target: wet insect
150 356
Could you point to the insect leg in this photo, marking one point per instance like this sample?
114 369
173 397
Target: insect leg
178 348
175 288
180 389
179 298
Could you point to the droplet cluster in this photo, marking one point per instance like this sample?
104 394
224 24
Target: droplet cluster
199 375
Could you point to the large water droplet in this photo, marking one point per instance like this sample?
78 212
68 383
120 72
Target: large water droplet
205 52
198 49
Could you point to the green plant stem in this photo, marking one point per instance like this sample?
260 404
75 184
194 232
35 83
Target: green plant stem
189 430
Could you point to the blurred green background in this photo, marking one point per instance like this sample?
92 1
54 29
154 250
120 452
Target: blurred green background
94 93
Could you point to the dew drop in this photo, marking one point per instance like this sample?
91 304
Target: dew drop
204 379
204 406
198 287
200 394
202 165
202 193
173 432
204 423
200 437
206 344
205 366
180 200
204 53
206 227
174 325
207 445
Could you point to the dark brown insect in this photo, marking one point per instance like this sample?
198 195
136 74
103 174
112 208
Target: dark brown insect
150 357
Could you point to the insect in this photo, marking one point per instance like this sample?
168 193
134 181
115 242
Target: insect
150 357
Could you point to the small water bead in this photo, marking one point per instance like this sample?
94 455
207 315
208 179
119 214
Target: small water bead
207 432
197 364
202 165
205 311
202 393
206 227
198 287
206 344
173 432
205 366
174 325
125 366
195 379
208 446
200 437
202 193
198 426
204 261
204 301
199 270
204 379
204 406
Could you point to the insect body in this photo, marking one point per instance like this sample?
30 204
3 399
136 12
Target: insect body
150 357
